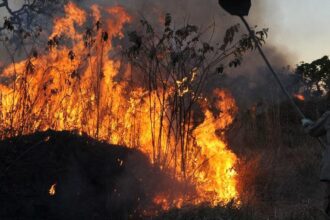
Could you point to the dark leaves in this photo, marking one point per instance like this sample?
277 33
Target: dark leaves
229 36
71 55
220 69
182 54
136 41
148 27
75 74
168 20
98 25
35 53
207 48
88 37
105 36
8 25
54 91
261 36
250 42
53 42
26 35
235 62
315 75
29 68
186 31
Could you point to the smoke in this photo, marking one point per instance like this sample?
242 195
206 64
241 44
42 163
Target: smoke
251 82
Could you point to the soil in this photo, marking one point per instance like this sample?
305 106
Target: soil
94 180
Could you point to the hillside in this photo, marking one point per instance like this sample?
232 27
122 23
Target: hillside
91 179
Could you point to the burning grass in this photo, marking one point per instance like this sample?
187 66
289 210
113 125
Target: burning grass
279 181
81 84
144 90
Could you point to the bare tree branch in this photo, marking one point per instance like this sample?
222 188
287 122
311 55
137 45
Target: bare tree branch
24 16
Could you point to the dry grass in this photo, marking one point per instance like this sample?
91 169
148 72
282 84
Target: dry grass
279 168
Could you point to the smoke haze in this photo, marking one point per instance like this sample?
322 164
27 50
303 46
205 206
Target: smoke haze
250 82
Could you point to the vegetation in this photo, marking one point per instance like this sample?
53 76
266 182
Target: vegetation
316 76
279 168
278 163
28 14
175 64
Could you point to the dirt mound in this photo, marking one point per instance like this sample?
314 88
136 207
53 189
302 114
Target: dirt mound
91 179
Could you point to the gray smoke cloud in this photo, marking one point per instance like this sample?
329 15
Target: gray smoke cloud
251 82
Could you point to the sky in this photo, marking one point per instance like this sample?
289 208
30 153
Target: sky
299 28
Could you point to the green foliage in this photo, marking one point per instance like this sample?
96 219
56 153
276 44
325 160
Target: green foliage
315 75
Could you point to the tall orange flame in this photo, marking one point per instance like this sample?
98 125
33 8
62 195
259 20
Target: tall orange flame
75 88
218 179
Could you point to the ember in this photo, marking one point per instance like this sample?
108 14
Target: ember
52 190
299 97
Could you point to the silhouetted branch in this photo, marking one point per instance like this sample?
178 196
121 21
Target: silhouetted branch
25 14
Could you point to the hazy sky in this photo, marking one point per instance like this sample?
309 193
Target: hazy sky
300 28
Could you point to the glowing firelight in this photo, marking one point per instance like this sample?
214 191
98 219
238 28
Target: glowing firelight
75 88
52 190
299 97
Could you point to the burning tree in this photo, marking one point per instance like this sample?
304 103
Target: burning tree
81 83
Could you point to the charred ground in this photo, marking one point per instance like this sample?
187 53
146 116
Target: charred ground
94 180
279 168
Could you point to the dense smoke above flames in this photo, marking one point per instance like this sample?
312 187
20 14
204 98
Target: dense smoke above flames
251 82
252 78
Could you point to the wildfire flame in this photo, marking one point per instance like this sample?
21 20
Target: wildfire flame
299 97
52 190
75 88
218 179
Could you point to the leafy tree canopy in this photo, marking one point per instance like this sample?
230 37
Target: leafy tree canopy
315 76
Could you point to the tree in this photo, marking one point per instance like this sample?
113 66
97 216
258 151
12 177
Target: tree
315 75
21 31
175 65
26 16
